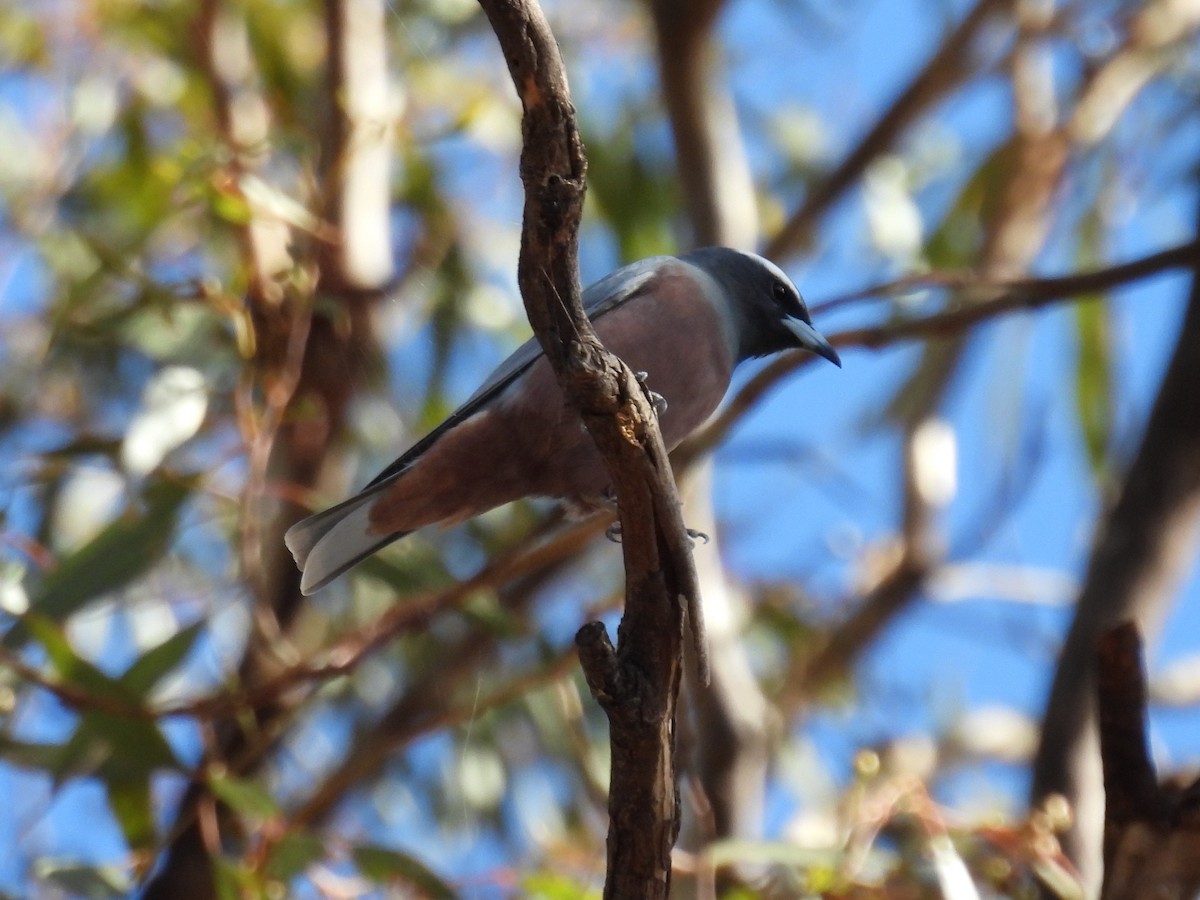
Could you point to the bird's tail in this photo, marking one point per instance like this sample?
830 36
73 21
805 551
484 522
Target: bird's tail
331 542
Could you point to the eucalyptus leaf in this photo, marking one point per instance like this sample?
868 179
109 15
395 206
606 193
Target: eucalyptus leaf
1093 380
130 803
122 552
386 866
243 796
157 662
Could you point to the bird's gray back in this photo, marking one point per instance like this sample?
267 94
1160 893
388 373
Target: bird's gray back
608 293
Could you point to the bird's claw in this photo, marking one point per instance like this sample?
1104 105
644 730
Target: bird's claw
613 533
657 400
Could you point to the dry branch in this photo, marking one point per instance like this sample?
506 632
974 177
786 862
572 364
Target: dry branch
637 682
725 732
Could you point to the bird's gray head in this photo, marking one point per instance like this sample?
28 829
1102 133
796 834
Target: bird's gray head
770 313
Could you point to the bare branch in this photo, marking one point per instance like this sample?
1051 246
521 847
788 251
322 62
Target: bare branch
713 170
1130 784
724 736
659 574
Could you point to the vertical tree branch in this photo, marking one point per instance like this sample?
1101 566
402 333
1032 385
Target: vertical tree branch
637 683
717 185
1143 547
1130 785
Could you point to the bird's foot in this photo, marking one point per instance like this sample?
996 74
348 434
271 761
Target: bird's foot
657 400
613 533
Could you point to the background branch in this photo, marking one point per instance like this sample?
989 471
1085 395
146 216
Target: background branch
308 367
1143 547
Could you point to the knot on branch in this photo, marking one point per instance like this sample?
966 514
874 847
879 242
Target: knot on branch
560 197
602 386
621 689
598 659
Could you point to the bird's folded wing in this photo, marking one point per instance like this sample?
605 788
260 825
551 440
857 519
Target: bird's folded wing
606 294
327 544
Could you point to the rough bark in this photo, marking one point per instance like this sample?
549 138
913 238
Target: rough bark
637 682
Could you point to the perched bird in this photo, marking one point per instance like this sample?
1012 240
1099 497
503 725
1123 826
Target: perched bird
684 321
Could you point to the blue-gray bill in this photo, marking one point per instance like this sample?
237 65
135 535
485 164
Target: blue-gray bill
813 340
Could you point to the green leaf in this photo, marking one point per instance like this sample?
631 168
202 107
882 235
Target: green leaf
485 611
245 797
293 854
1093 380
79 880
552 886
123 551
384 865
955 243
21 39
131 806
73 670
122 751
47 758
631 194
231 880
157 662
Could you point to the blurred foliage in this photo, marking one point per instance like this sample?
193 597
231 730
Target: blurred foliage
125 210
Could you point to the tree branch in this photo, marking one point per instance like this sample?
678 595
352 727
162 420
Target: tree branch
644 670
724 735
712 166
306 367
1130 785
1142 548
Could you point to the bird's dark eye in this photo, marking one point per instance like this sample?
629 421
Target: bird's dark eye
780 292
